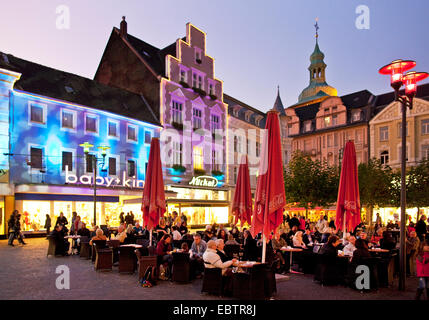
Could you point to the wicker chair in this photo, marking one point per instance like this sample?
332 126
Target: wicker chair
127 260
52 246
144 262
250 286
181 267
85 248
212 281
104 256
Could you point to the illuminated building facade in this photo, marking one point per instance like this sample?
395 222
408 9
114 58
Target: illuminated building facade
49 113
179 83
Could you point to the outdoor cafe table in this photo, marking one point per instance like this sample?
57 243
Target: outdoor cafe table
73 238
127 258
291 250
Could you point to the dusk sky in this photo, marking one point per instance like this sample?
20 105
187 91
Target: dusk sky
256 44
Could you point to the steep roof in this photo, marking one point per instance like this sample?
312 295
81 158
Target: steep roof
244 107
53 83
278 104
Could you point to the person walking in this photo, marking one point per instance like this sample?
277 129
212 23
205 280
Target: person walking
421 228
11 227
18 233
48 225
422 264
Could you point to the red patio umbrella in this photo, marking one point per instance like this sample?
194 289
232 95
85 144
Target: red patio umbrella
348 203
153 202
242 203
270 196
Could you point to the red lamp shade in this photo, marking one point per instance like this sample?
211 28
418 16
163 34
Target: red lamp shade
395 69
411 79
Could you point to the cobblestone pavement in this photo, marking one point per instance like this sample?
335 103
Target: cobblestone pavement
27 273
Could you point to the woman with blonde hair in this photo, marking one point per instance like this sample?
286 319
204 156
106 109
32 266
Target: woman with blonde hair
297 240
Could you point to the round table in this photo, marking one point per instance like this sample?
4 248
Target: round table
292 250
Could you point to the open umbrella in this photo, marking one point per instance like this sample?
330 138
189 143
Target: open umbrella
270 196
348 201
242 203
153 202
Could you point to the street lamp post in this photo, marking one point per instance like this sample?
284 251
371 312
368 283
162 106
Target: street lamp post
86 147
397 79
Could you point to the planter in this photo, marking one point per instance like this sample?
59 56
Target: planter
177 126
217 173
198 61
199 172
213 97
199 91
217 136
184 84
177 170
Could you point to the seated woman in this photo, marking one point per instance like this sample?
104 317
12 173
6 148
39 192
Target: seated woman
213 260
61 245
297 240
328 268
235 233
130 238
219 250
163 250
361 251
277 243
98 236
222 235
183 229
161 229
249 247
231 240
377 236
208 234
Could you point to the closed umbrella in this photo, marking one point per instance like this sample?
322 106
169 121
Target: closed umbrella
242 203
153 202
348 201
270 196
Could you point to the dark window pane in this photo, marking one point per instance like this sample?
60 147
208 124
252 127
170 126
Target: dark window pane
91 124
89 163
112 166
36 158
112 129
147 136
131 168
132 133
67 120
67 160
37 114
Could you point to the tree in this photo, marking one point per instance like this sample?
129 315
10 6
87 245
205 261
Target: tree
375 186
310 183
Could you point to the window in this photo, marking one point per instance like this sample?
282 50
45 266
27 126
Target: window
177 112
334 109
214 123
247 117
38 113
384 133
425 151
384 157
36 156
194 80
335 139
89 163
329 140
196 120
400 130
198 158
147 137
307 126
327 110
200 82
215 162
237 144
91 124
197 55
327 121
112 166
211 89
131 133
67 160
334 120
258 148
68 119
235 174
177 153
131 168
113 129
425 126
182 75
355 115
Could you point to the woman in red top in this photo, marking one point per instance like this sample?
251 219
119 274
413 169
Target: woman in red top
422 264
375 239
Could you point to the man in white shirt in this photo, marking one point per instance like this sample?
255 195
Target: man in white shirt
213 260
176 234
122 234
350 247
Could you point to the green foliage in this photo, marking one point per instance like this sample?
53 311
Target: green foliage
199 172
179 168
310 183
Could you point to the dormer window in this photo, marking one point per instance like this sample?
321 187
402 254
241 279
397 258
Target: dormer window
327 121
182 76
211 89
334 120
356 115
307 126
198 55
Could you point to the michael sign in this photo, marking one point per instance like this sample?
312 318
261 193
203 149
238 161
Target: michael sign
204 181
126 182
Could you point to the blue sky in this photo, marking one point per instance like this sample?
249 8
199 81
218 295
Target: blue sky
257 45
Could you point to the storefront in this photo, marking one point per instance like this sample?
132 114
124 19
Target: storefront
394 214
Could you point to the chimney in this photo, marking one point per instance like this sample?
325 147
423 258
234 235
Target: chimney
123 30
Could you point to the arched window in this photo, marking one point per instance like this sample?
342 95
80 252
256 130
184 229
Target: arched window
384 157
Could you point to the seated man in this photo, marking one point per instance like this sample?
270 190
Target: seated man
198 248
122 234
61 245
137 228
350 247
308 238
213 260
231 240
84 232
99 235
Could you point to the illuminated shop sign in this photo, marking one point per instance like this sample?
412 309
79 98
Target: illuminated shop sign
204 181
125 182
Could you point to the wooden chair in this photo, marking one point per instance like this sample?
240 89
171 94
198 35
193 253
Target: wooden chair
181 267
250 286
212 281
127 260
51 247
101 243
104 257
114 244
85 248
144 262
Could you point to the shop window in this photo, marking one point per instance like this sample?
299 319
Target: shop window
67 160
147 137
36 156
91 124
384 133
198 158
131 168
112 166
68 119
384 157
